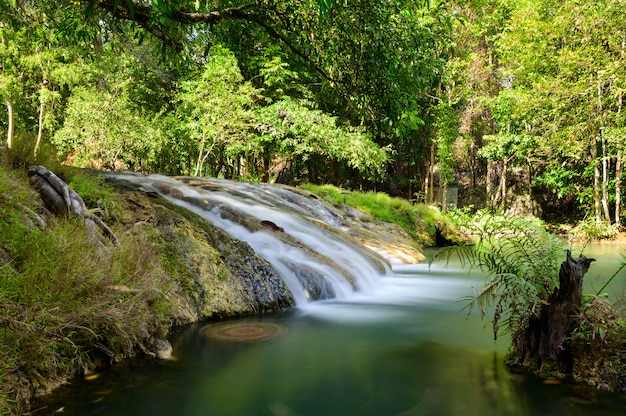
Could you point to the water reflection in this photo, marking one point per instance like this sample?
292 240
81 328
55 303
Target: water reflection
403 348
609 257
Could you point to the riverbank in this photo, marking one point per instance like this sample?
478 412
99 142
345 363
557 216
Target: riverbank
73 306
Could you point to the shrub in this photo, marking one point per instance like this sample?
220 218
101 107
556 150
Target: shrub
589 230
522 261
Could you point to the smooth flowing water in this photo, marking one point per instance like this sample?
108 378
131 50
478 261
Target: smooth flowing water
609 259
312 252
389 342
403 348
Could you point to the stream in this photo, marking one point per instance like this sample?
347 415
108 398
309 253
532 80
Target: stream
401 348
364 338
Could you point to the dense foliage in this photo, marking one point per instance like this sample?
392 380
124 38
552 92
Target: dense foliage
519 102
541 101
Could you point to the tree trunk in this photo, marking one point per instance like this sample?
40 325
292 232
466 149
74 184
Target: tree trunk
599 187
40 129
500 191
488 180
444 196
605 181
544 341
618 189
596 182
505 167
529 187
10 127
202 157
430 180
266 165
618 167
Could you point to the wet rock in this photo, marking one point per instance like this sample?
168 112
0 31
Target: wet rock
163 349
270 225
213 274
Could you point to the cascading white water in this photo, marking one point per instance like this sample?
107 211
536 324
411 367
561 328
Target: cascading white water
303 239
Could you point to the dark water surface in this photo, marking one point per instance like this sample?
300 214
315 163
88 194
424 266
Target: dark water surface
404 349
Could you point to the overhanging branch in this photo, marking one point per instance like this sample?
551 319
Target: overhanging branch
142 14
275 34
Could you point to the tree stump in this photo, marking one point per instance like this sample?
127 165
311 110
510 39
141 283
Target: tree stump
544 342
61 200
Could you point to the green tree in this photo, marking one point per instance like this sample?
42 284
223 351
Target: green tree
215 108
35 68
301 134
586 97
105 130
368 62
541 91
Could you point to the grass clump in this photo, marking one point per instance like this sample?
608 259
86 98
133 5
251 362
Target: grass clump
421 222
589 230
94 192
66 301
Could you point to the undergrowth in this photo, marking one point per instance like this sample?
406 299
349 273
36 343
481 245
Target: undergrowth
66 301
421 222
589 230
522 262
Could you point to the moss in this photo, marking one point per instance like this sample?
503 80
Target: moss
420 222
69 303
210 267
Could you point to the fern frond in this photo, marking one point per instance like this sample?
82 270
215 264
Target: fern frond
521 259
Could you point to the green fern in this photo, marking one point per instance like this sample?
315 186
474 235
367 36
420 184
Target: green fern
522 262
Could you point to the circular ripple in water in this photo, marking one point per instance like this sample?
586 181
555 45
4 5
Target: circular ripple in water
243 331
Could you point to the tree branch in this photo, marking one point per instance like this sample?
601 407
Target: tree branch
142 14
275 34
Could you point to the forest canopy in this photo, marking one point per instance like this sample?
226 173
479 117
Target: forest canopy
519 103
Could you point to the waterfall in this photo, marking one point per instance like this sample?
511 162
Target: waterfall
304 239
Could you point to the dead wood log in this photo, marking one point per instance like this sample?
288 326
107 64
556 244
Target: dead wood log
545 341
34 220
61 200
272 226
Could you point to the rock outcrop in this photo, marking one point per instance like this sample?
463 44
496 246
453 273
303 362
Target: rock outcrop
215 275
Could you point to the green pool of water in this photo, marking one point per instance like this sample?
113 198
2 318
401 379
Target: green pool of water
404 349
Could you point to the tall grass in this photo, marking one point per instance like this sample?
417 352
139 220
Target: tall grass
66 301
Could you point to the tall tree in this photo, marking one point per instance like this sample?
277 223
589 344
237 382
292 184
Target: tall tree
564 62
33 67
371 63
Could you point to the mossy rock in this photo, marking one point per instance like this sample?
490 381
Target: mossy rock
215 275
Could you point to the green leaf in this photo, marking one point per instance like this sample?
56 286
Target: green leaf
324 7
89 9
